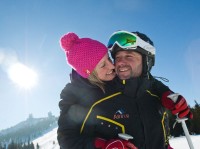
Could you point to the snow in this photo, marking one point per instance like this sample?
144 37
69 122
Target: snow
181 142
49 141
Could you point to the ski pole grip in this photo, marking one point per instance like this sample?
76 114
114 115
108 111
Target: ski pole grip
125 136
173 97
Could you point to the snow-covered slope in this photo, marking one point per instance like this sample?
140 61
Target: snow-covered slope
181 142
49 141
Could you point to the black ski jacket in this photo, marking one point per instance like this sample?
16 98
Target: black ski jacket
132 107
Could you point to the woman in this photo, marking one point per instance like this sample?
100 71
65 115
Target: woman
87 98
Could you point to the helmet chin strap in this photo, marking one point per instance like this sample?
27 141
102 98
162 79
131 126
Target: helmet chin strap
146 64
149 61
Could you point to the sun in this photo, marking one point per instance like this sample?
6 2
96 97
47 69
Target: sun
23 76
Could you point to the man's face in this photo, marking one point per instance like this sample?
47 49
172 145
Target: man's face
128 64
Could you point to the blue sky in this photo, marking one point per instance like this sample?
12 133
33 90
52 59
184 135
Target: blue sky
30 31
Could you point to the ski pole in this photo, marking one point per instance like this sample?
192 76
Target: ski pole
187 135
174 98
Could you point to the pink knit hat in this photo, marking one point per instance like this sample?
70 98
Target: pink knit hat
83 54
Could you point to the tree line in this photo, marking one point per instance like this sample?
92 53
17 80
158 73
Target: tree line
14 145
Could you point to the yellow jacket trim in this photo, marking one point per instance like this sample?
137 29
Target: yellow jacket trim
99 101
124 82
163 118
111 121
152 94
165 136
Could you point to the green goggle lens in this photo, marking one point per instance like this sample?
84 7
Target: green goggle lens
123 39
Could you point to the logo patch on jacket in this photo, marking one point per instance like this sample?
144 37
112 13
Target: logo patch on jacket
120 114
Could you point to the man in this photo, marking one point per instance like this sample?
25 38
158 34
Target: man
134 56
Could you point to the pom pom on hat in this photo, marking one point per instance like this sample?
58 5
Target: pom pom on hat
83 54
68 40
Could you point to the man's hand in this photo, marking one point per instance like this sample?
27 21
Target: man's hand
177 104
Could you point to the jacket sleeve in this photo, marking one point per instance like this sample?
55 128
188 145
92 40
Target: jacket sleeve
69 123
159 87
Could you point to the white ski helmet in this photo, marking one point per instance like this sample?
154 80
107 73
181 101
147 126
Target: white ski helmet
136 41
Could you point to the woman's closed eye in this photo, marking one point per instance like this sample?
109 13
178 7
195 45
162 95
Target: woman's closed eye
102 65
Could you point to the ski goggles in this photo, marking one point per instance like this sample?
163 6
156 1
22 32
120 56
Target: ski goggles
128 40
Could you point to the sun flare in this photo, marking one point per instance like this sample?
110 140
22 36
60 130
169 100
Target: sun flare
23 76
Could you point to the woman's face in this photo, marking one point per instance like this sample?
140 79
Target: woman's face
105 69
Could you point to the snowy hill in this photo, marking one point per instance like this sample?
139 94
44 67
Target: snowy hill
49 141
181 142
27 130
